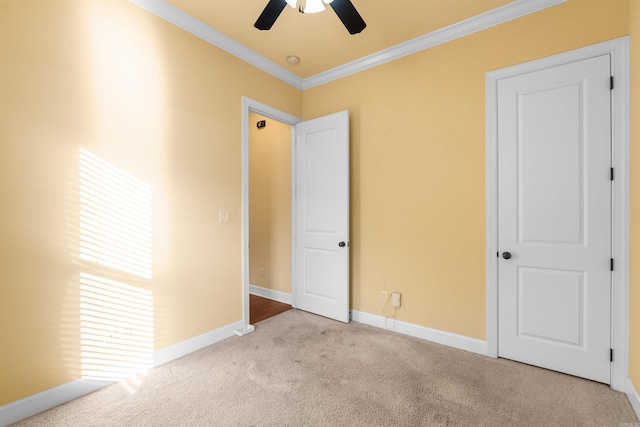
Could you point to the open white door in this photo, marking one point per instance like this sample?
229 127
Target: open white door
321 241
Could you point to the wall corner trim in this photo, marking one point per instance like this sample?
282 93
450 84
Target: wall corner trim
634 397
47 399
460 342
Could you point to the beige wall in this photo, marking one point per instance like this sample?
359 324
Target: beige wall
151 99
418 161
270 204
634 256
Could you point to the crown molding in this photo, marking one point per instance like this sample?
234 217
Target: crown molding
497 16
177 16
477 23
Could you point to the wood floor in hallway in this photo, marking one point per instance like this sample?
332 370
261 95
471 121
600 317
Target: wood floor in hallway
263 308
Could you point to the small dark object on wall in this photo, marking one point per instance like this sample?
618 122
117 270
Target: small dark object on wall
261 124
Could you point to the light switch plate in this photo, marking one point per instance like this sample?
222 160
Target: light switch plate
223 216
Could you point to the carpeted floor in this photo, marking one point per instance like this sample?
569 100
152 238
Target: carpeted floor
298 369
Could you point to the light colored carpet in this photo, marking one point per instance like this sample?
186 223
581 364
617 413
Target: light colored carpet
298 369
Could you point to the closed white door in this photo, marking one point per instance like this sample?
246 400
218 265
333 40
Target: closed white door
554 166
321 256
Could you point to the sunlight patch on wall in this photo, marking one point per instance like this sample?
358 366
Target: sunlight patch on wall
115 217
116 329
115 241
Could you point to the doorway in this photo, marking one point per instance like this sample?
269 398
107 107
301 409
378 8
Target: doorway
319 235
251 106
269 217
617 54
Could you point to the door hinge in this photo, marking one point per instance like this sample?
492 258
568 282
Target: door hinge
611 264
612 174
610 355
611 83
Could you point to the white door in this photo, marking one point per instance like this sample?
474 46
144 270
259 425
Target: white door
554 166
321 254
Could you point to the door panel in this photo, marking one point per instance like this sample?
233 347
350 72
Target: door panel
551 164
534 287
554 159
320 179
321 273
321 278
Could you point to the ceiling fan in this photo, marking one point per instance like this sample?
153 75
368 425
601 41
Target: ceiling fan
343 8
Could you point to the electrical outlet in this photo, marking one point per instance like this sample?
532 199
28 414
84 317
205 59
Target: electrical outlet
223 216
261 272
395 299
383 296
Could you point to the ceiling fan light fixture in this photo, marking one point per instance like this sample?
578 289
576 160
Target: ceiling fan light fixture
308 6
345 10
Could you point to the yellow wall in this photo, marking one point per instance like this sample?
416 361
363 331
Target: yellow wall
634 255
418 161
151 99
164 106
270 204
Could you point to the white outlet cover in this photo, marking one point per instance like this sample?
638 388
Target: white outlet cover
395 299
223 216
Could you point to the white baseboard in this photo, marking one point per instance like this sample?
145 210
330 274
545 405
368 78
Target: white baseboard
34 404
633 396
271 294
445 338
23 408
190 345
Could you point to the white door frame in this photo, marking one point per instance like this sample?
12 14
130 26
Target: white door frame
619 51
250 105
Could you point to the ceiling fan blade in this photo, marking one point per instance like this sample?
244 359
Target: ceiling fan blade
270 14
348 15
